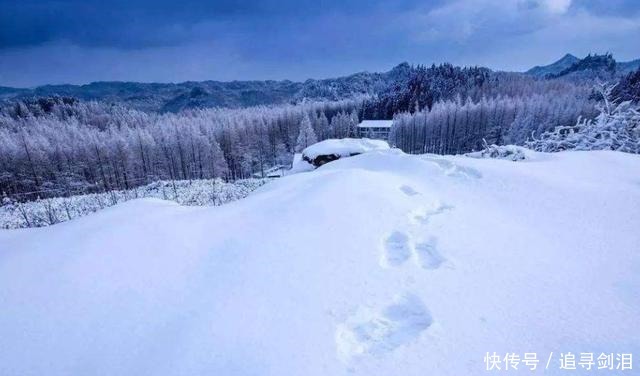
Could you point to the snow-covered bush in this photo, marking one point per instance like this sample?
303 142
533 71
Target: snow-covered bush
44 212
509 152
617 127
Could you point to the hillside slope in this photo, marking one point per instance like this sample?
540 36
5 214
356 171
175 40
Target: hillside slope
379 264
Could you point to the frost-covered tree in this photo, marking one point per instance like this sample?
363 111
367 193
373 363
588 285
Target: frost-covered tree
61 147
353 124
617 127
628 88
219 167
306 136
341 124
454 126
322 126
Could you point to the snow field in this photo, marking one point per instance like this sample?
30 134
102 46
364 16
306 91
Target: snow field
379 264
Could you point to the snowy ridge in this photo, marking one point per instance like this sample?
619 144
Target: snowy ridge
379 264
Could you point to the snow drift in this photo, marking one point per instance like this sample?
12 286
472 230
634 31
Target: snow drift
379 264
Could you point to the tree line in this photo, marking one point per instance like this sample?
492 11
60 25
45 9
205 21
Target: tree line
456 126
60 147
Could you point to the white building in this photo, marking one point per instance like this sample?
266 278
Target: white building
378 129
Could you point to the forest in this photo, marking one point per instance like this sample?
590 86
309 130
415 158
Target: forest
61 146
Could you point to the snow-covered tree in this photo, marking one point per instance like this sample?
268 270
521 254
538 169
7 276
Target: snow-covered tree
323 126
219 167
456 126
306 136
353 124
61 147
617 127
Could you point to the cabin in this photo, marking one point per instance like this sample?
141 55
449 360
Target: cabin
377 129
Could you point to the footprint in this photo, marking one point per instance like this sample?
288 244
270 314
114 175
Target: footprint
427 255
423 216
377 332
397 249
409 191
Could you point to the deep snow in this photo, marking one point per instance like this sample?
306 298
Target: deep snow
379 264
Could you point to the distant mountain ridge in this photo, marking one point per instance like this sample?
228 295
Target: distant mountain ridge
629 66
169 97
174 97
587 67
565 62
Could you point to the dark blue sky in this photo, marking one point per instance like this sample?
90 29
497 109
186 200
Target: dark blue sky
79 41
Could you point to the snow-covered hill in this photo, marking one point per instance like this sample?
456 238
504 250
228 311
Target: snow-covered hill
379 264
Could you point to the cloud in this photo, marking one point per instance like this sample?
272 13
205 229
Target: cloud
578 32
149 23
556 6
465 21
517 34
46 41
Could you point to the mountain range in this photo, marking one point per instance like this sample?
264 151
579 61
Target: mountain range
173 97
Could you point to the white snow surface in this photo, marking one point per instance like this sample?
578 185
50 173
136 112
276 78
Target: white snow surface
344 147
380 264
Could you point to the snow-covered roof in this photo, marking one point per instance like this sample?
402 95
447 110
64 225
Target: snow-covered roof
375 124
344 147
